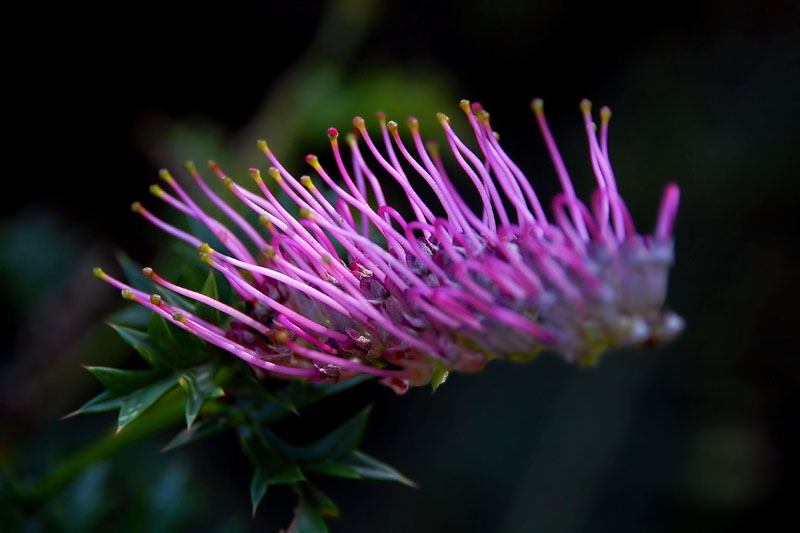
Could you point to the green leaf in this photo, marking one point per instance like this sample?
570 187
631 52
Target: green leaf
339 443
121 382
133 273
198 384
266 457
138 402
438 376
358 465
210 289
199 431
306 518
332 469
260 404
258 487
142 343
370 468
180 348
105 401
135 316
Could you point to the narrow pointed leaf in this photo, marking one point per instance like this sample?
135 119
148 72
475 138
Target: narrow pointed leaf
181 349
210 289
199 431
121 382
135 316
358 465
258 487
138 402
332 469
133 273
338 443
194 400
105 401
261 405
370 468
265 456
198 384
161 334
145 346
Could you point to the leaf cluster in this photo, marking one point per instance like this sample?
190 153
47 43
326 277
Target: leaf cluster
221 393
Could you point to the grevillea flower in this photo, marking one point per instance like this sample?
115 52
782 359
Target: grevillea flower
336 288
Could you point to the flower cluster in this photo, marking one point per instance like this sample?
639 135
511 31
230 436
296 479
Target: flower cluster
333 288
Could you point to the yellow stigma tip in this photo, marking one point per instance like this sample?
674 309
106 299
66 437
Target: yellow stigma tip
226 181
205 249
413 124
313 160
274 174
442 118
156 191
269 251
496 135
256 175
281 336
482 115
188 165
155 299
128 294
264 219
605 113
358 122
178 316
165 175
350 138
327 259
464 105
136 207
98 272
147 272
586 106
262 145
392 125
306 181
537 104
306 213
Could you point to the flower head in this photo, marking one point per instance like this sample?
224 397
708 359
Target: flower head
335 288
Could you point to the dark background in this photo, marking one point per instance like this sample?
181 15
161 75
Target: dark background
700 435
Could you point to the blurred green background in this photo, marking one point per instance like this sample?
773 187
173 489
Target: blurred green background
701 435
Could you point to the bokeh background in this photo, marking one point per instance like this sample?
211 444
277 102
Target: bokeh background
701 435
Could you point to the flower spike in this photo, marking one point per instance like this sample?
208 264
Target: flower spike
451 288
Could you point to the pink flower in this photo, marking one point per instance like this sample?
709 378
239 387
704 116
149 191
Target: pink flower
450 288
